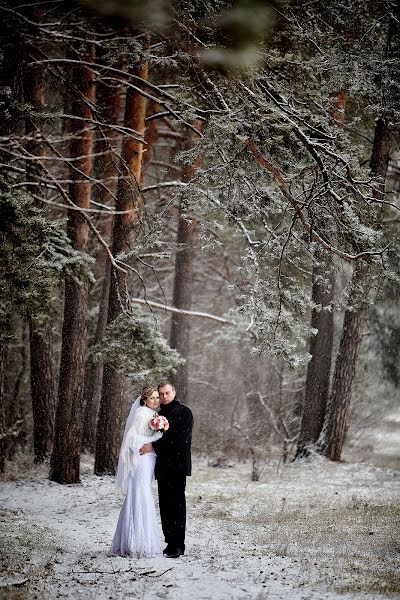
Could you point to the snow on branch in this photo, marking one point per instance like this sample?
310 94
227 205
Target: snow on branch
280 181
128 77
189 313
164 184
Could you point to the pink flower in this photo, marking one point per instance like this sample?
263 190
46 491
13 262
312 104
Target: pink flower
159 423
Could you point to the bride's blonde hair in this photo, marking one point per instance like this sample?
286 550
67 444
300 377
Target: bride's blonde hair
147 391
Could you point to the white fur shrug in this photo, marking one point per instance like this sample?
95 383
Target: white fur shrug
138 435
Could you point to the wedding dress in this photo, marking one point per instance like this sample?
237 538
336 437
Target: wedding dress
137 530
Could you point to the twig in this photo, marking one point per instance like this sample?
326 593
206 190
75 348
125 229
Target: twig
282 184
18 583
160 574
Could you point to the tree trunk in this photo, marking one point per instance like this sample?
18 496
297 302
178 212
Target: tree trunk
41 371
109 418
64 466
334 431
11 77
255 466
183 282
105 168
42 390
3 438
182 298
319 367
94 371
256 431
151 135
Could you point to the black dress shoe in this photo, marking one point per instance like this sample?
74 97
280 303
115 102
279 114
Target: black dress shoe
175 553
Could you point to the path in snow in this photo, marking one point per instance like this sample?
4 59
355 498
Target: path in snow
304 532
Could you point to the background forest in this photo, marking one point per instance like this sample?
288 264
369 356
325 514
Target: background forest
203 190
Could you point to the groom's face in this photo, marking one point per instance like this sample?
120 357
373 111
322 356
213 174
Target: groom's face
166 393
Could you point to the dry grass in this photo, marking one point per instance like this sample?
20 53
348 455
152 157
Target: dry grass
27 552
343 543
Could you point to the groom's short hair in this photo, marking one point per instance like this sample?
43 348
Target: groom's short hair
164 383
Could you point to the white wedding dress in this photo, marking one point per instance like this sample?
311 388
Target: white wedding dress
137 532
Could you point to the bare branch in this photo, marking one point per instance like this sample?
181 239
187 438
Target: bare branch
164 184
279 179
189 313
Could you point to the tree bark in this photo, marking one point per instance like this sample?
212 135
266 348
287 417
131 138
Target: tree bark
319 368
42 390
65 467
94 371
11 77
105 167
151 136
334 432
3 439
109 418
41 370
183 281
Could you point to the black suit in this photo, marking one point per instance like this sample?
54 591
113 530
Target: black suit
172 466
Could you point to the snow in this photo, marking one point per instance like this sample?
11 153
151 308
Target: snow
306 531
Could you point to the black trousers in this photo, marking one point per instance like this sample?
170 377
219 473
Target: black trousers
172 502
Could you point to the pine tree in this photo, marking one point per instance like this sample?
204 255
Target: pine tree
109 418
336 418
183 280
109 100
65 459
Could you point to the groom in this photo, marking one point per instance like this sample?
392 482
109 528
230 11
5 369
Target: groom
172 466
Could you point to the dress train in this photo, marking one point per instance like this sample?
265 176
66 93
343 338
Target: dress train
137 532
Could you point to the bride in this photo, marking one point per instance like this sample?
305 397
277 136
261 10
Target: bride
137 532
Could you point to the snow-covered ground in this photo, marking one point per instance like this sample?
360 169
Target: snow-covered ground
304 532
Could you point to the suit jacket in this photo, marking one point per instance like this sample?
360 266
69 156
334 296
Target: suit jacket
174 448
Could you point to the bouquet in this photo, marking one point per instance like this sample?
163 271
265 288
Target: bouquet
159 423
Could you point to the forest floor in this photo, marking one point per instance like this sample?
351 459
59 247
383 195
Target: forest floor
305 531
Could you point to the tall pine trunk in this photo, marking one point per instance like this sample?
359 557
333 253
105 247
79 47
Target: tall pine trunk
10 71
94 370
319 368
40 339
13 63
42 389
109 418
105 168
65 464
183 281
151 136
3 432
335 427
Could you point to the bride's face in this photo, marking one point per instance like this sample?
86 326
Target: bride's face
153 401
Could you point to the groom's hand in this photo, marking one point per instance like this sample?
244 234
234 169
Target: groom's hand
146 448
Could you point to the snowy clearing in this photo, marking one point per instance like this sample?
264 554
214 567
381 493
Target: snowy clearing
304 532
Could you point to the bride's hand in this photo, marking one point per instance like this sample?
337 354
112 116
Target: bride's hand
146 448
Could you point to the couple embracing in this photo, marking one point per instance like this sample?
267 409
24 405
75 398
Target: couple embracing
154 443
